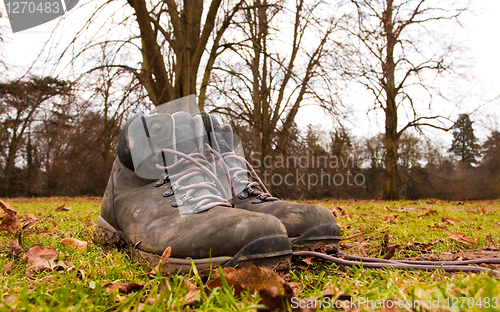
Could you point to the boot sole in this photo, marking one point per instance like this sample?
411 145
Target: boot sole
272 252
325 236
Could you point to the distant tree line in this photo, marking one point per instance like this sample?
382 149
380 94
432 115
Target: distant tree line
255 63
53 142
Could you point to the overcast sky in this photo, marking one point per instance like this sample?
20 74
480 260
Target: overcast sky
481 40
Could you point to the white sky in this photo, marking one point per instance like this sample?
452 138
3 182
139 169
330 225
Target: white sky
481 30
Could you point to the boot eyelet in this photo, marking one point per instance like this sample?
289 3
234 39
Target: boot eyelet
168 193
243 195
175 186
260 199
250 190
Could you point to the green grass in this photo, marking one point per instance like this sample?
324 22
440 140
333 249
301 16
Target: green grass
70 291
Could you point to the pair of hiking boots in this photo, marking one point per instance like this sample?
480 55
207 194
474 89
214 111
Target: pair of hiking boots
172 185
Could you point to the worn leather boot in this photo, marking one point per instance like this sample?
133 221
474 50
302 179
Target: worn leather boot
142 210
309 226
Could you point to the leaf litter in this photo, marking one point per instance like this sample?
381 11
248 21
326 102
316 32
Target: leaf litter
74 244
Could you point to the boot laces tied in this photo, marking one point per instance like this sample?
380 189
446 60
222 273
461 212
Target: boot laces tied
219 195
242 176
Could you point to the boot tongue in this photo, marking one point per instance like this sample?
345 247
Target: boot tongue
185 137
223 144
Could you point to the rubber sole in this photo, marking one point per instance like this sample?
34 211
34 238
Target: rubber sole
321 236
272 252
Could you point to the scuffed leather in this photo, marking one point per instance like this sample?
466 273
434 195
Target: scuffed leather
296 217
145 216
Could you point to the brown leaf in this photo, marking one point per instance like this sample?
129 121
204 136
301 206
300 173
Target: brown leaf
251 278
346 245
390 252
10 223
15 248
163 260
123 288
164 257
7 267
353 236
193 292
416 246
40 259
490 241
450 220
307 261
462 238
391 219
428 213
29 220
8 209
276 300
62 208
73 243
51 231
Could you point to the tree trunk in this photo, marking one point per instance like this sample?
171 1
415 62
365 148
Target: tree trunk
391 110
9 166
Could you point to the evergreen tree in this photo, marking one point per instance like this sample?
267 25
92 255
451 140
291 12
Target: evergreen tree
464 143
491 159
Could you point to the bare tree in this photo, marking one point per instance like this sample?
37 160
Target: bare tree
396 53
274 66
164 44
21 103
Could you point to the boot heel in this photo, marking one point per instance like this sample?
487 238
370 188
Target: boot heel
109 230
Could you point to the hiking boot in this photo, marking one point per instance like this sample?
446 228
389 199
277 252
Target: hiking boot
141 207
309 226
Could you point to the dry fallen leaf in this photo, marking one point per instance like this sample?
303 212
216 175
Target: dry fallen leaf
428 213
63 208
491 243
40 259
29 220
391 219
10 223
462 238
276 301
73 243
7 267
193 292
163 260
416 246
51 231
251 278
353 236
123 288
8 209
307 261
15 248
361 247
451 220
390 252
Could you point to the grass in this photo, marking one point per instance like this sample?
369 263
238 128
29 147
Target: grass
403 223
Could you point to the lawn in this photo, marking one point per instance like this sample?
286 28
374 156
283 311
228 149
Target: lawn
90 278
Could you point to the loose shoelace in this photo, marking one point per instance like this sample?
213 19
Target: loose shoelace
222 196
260 191
447 266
